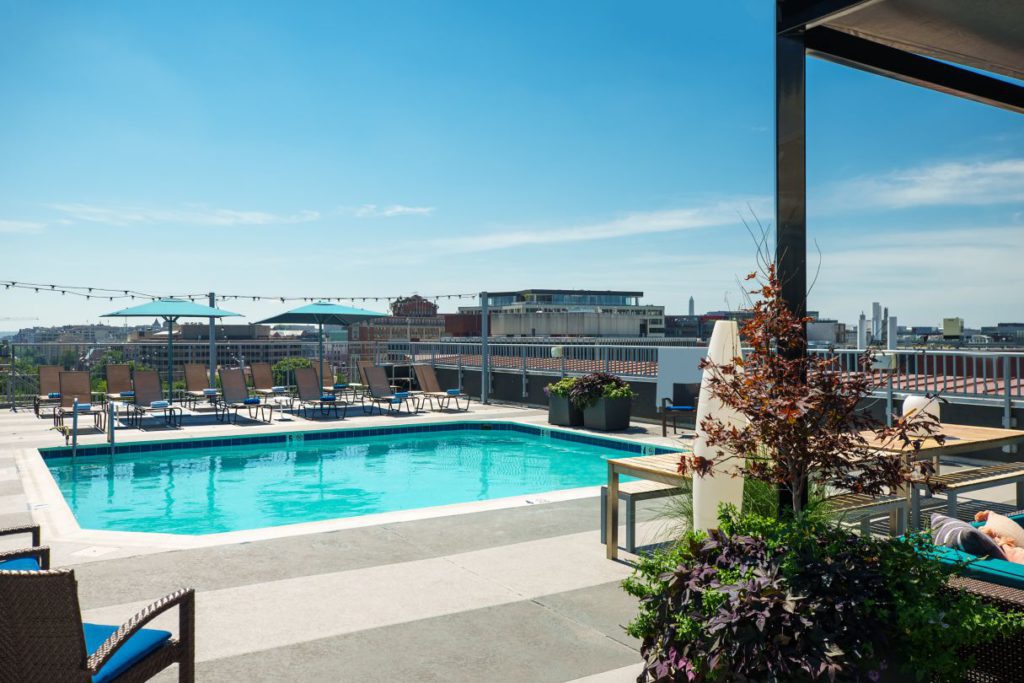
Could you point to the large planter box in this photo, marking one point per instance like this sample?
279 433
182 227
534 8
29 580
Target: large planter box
608 414
562 412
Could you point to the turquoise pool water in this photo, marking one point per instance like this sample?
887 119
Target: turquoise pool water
234 487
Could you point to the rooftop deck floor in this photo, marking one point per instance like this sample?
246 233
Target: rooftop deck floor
514 592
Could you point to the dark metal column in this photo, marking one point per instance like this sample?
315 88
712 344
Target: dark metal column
791 170
791 183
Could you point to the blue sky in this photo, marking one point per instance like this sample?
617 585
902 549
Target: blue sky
385 148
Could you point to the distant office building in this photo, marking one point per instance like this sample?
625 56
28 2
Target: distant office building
952 328
826 332
686 326
201 331
571 313
72 334
412 319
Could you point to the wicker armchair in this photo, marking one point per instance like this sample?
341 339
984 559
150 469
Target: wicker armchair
24 558
1000 661
42 637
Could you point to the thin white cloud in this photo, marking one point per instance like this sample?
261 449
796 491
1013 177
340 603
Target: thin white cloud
198 216
639 223
940 184
375 211
10 227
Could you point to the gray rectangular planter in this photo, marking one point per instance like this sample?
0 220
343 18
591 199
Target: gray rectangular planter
562 412
608 414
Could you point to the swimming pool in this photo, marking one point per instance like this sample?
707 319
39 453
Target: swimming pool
218 485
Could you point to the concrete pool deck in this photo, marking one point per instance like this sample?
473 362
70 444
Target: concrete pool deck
504 590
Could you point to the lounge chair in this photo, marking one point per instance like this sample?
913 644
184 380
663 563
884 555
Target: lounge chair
119 382
49 388
149 400
26 559
380 394
197 385
44 638
263 381
312 397
76 385
684 400
431 389
235 397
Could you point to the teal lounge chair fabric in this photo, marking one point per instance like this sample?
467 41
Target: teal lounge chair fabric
1000 572
135 649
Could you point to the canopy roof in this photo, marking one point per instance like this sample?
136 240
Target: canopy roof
969 48
324 313
170 308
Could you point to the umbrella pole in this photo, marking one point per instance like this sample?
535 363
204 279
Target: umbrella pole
323 380
170 357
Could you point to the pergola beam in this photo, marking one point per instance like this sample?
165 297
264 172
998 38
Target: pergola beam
848 50
796 15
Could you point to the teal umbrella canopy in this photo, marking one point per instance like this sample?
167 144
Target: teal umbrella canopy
323 313
170 308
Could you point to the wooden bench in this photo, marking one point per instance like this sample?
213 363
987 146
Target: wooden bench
966 481
862 508
631 492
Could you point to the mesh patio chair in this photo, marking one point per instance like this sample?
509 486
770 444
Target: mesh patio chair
197 385
149 400
43 637
312 398
49 389
380 393
119 382
263 381
235 397
431 390
77 385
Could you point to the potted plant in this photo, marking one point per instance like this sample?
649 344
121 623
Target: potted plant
561 411
604 399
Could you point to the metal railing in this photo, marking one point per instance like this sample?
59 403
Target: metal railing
984 377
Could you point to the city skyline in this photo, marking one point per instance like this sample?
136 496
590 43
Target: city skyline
460 147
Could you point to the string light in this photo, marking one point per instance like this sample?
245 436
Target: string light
121 293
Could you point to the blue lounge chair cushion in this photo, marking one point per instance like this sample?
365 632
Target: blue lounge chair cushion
209 392
135 649
453 392
681 408
83 407
401 394
53 394
126 394
341 386
277 390
160 404
327 398
254 401
397 401
22 564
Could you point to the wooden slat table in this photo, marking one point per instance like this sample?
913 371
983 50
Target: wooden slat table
960 439
660 468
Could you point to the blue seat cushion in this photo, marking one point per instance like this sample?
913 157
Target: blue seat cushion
23 564
251 401
137 648
53 394
453 392
341 386
327 398
679 408
126 394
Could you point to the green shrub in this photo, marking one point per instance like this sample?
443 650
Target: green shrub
560 388
761 599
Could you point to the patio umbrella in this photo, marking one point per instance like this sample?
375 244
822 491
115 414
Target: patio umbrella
170 310
323 313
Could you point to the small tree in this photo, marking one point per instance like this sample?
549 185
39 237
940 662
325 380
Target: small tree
804 416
